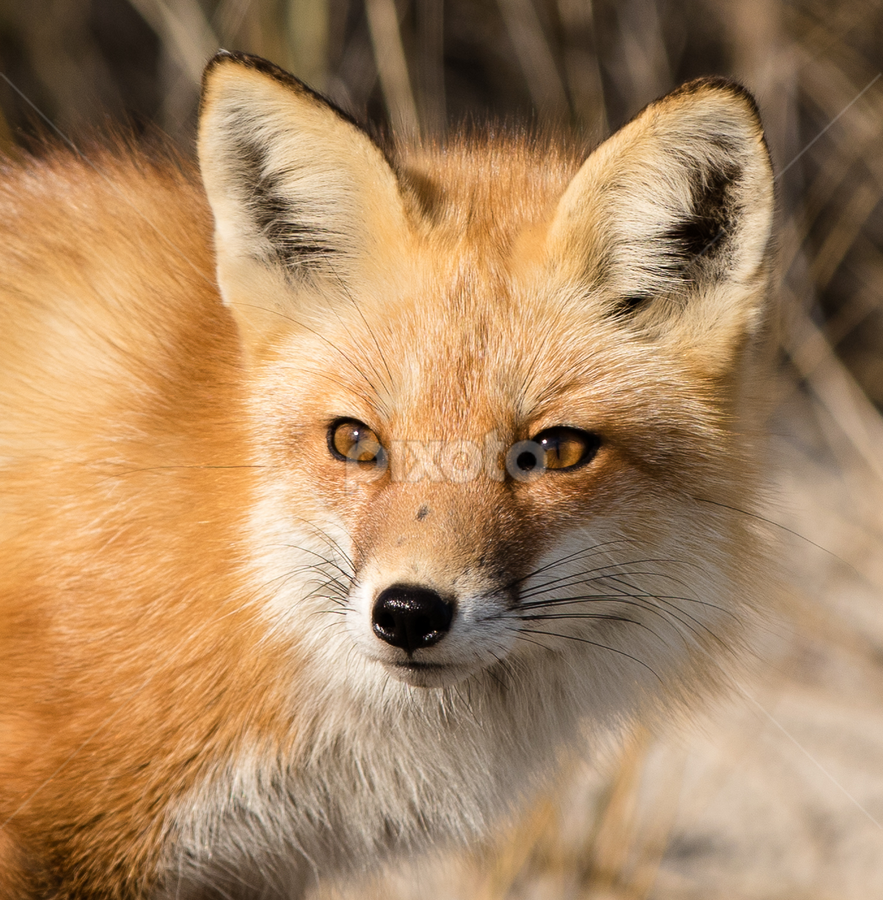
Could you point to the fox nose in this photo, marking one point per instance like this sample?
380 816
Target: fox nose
411 617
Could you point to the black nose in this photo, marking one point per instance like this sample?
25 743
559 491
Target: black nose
411 617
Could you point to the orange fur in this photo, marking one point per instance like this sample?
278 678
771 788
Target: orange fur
120 416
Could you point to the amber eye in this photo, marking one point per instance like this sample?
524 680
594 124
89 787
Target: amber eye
565 448
556 448
353 441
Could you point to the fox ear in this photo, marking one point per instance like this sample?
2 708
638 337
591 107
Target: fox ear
300 193
669 222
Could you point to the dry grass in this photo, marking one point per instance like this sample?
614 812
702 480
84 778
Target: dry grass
780 794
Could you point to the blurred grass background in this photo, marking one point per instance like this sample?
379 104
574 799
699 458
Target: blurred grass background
423 66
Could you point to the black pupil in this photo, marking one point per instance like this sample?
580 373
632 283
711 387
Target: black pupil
353 442
361 444
549 445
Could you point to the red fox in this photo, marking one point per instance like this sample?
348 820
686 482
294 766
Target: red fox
342 486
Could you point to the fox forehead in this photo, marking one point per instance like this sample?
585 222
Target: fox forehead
473 320
474 327
456 347
485 194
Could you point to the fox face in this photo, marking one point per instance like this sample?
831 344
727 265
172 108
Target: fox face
449 461
503 386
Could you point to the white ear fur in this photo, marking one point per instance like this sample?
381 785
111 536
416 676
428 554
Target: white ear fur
300 194
670 221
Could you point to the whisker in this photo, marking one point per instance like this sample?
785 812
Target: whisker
367 325
583 640
520 635
672 606
570 557
601 616
333 544
490 671
301 325
582 598
599 573
342 573
671 612
779 525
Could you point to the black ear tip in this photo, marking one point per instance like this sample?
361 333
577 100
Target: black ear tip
718 84
220 58
250 61
277 74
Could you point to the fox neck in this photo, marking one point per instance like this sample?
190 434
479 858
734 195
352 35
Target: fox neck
343 795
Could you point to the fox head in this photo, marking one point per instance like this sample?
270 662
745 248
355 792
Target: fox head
501 396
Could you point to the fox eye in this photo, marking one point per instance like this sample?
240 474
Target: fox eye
556 448
352 441
566 448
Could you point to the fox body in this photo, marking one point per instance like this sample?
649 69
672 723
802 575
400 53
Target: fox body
340 488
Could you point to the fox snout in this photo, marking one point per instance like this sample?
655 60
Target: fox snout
434 586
